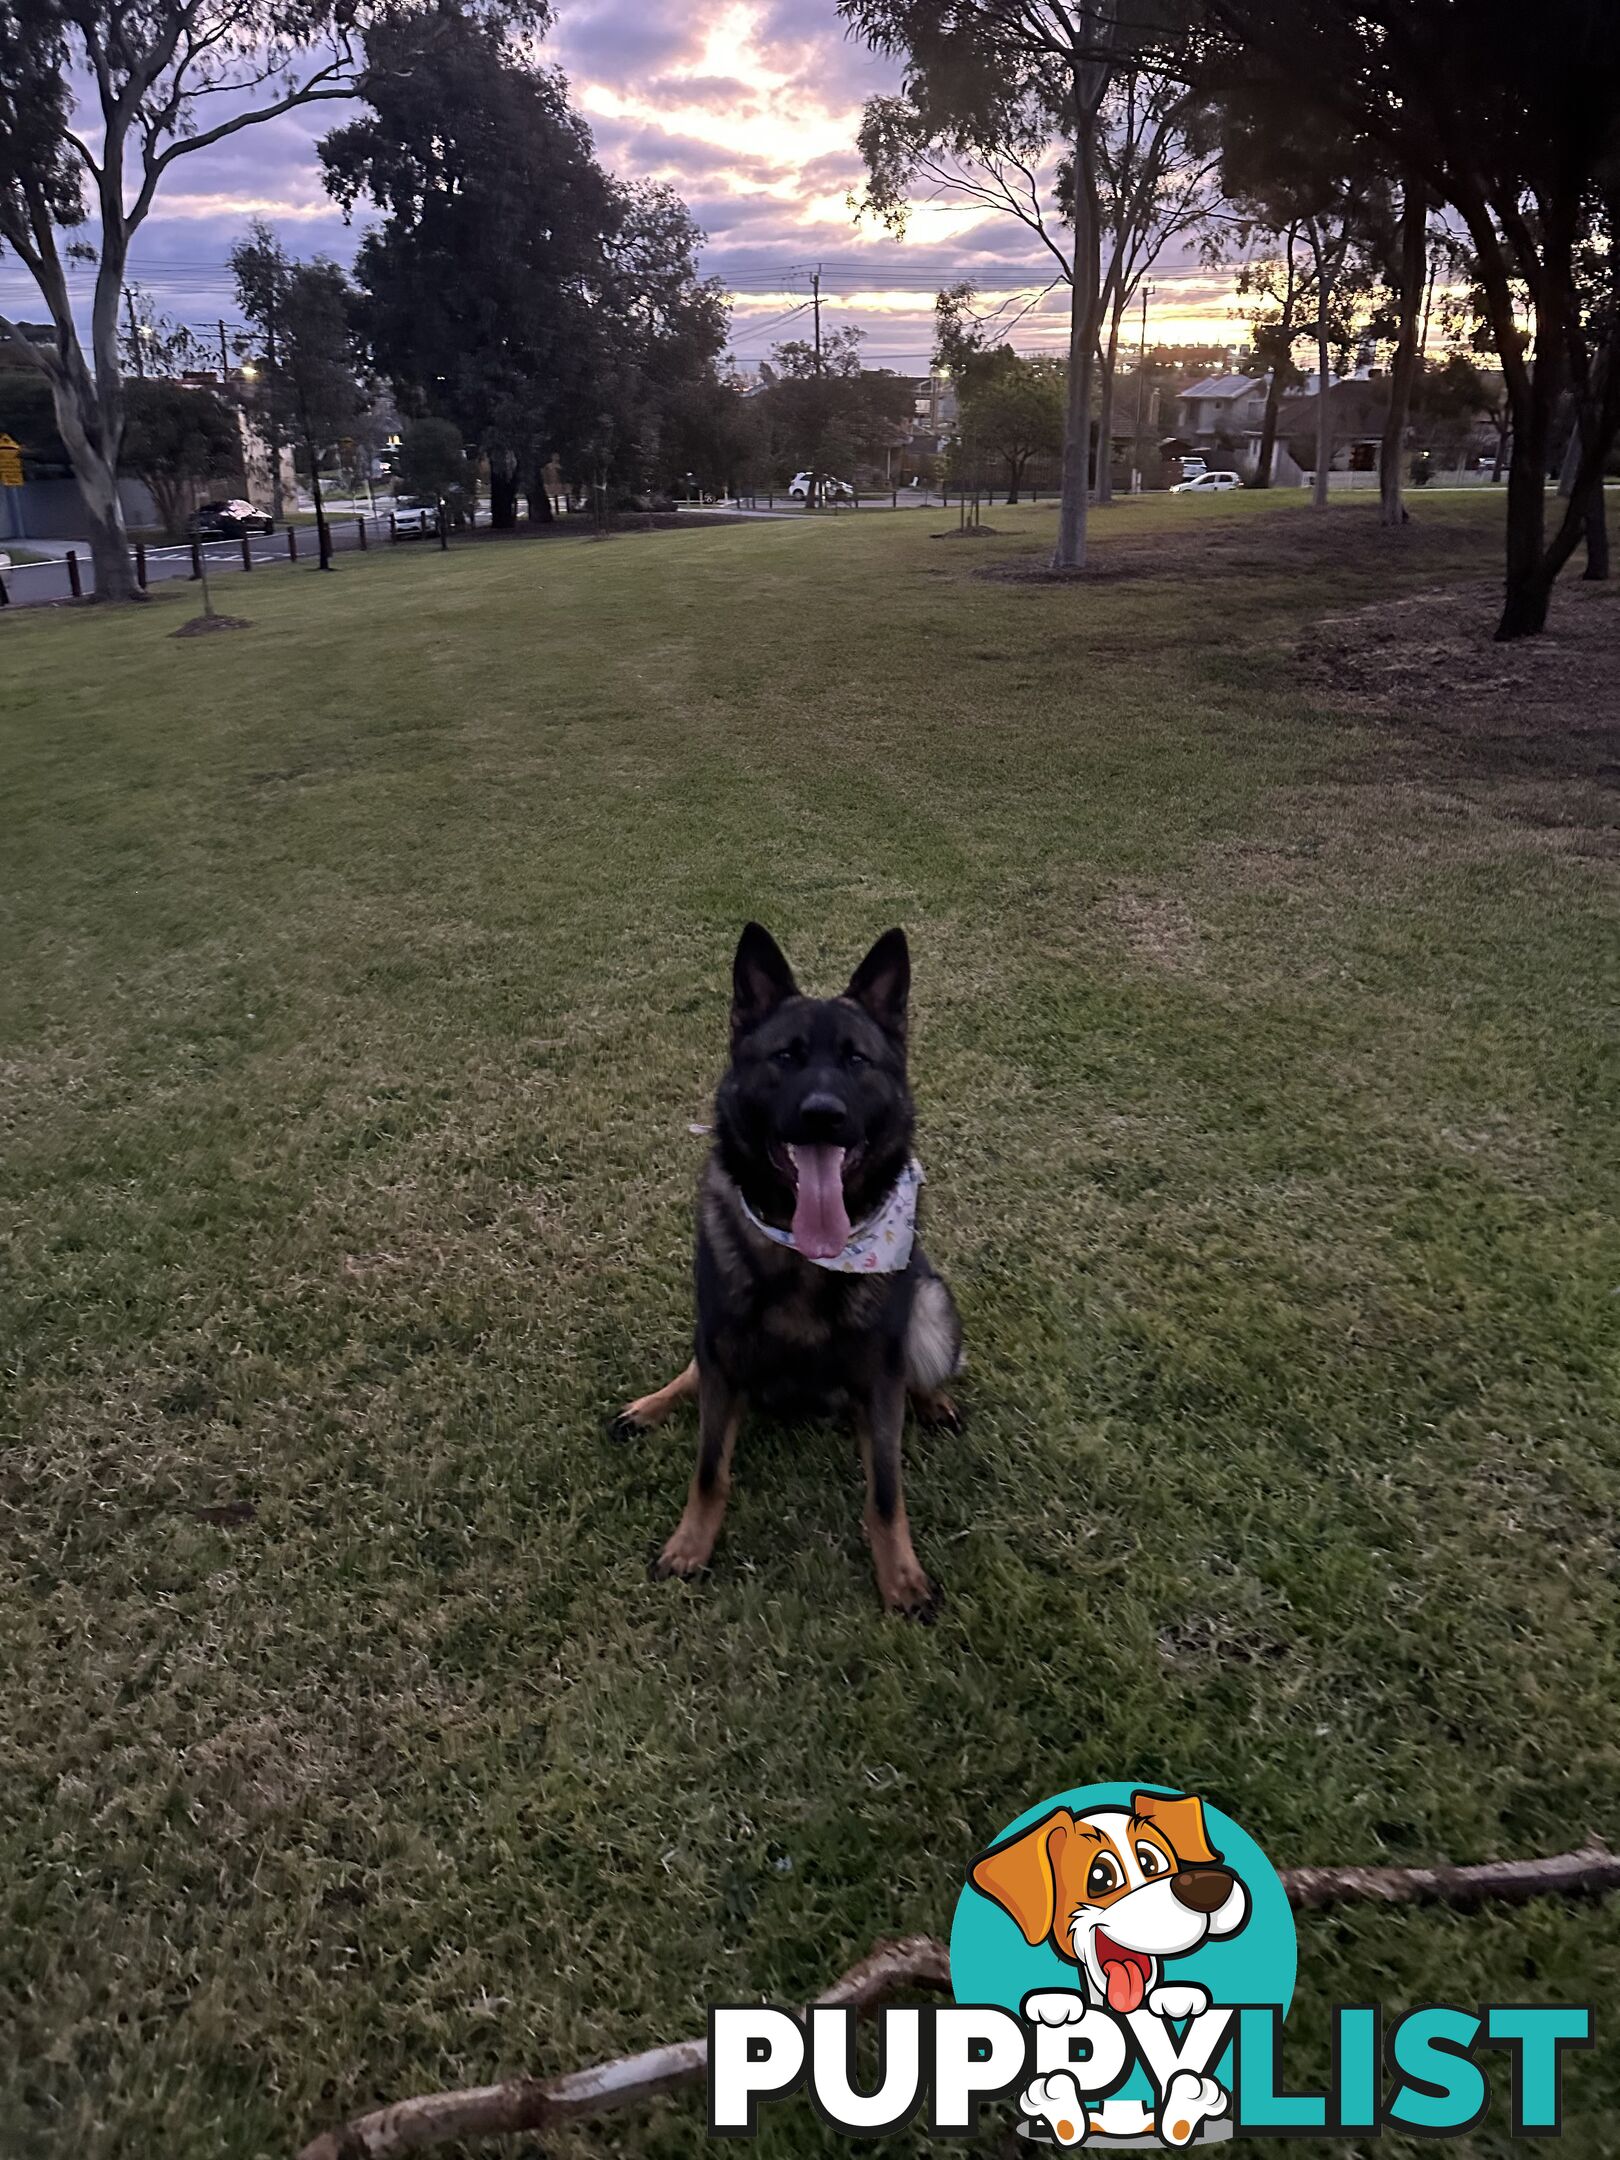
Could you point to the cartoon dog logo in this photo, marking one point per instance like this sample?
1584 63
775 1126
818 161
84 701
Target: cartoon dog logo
1117 1891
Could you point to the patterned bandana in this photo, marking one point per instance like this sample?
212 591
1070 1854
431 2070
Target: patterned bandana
879 1246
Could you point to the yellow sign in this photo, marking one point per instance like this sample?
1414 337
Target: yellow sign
10 462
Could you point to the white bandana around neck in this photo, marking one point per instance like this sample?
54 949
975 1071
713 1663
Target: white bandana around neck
879 1246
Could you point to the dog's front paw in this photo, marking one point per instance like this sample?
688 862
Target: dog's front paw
1182 2000
906 1591
627 1424
1055 2006
1189 2100
1056 2101
689 1550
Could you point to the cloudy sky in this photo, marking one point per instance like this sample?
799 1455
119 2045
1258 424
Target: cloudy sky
750 108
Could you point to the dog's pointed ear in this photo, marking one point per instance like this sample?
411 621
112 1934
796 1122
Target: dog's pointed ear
882 983
1181 1819
1021 1877
760 980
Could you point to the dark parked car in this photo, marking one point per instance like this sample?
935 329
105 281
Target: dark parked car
228 521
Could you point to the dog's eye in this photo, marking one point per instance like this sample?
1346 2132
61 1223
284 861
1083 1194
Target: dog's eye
1103 1876
856 1058
1151 1861
789 1055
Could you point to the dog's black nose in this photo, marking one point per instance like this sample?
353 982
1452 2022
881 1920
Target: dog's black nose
823 1115
1202 1889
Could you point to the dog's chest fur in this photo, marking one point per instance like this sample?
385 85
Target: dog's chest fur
781 1325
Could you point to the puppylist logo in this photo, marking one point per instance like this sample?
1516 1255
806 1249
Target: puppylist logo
1123 1961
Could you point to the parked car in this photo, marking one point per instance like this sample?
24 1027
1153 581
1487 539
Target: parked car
416 514
1192 465
228 520
831 489
1208 483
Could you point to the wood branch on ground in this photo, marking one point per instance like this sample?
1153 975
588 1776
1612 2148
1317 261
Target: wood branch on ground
918 1962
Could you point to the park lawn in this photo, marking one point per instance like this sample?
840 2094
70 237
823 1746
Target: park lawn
365 973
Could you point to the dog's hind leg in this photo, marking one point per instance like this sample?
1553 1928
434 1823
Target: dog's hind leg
902 1585
691 1543
933 1353
650 1410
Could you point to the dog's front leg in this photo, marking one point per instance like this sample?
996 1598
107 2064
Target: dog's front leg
902 1585
691 1543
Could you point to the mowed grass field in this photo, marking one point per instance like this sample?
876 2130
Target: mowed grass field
364 974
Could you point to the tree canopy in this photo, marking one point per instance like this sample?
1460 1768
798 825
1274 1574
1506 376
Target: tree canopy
513 286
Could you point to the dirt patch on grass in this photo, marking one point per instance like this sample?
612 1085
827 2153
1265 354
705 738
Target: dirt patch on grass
202 625
1159 929
1344 541
1539 718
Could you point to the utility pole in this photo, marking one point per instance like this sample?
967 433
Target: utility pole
224 361
1141 379
815 295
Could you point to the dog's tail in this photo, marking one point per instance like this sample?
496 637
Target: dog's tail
933 1338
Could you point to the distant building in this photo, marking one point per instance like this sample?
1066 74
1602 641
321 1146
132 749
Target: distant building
934 413
1220 412
256 475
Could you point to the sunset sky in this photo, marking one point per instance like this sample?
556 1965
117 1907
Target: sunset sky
750 108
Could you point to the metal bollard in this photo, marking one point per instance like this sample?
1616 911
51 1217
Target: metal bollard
75 585
393 528
140 564
247 553
364 542
196 560
292 543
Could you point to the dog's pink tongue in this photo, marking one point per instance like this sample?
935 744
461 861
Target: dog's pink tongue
1125 1985
820 1221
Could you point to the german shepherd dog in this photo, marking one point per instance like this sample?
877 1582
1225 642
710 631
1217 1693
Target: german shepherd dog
811 1292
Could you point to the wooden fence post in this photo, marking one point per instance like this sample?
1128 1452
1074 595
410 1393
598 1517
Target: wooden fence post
140 564
393 528
292 543
247 551
364 542
196 560
75 585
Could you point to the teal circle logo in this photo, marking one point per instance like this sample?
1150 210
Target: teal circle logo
1122 1908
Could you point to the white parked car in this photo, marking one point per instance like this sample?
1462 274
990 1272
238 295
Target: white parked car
1208 483
799 488
416 514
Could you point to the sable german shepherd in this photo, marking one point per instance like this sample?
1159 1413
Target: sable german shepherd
812 1293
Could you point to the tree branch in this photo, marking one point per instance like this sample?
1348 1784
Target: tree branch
919 1962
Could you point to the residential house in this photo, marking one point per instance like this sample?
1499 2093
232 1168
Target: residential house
1218 415
935 413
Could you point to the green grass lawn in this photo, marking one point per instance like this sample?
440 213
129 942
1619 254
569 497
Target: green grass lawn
364 973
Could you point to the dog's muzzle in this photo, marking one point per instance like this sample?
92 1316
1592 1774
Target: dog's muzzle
1202 1890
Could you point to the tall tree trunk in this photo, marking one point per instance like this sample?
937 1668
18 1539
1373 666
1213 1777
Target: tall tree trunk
503 490
1414 264
97 478
1075 490
1266 456
322 534
1524 603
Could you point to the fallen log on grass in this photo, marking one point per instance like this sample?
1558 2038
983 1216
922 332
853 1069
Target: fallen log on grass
917 1962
